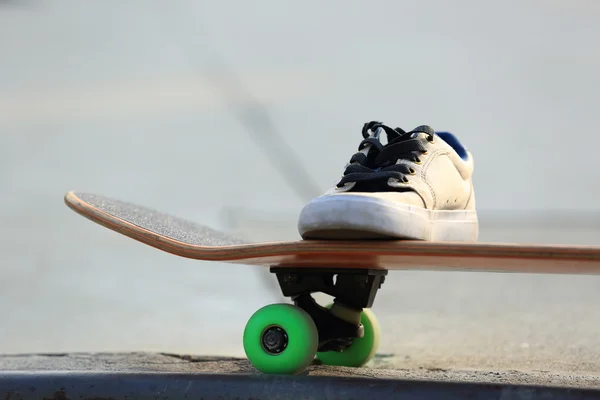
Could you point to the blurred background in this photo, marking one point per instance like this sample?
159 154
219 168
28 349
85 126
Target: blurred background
234 114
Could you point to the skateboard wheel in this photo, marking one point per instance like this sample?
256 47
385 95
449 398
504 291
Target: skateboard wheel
361 350
281 339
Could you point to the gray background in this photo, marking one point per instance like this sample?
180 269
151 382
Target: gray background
118 98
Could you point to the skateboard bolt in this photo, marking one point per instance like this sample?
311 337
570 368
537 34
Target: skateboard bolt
274 340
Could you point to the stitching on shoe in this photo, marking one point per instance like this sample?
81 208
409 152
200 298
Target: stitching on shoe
471 192
426 164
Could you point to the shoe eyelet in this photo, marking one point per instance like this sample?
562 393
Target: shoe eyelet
412 170
418 161
405 181
425 153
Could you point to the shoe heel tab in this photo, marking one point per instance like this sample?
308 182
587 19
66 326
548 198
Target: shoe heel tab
455 143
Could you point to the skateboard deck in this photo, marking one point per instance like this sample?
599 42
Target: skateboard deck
285 338
189 239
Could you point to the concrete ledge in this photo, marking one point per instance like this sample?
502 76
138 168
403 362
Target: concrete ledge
156 376
152 385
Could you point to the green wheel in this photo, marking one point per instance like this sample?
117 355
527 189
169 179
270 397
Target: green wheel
281 339
361 350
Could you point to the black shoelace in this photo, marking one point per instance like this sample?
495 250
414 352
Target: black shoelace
379 165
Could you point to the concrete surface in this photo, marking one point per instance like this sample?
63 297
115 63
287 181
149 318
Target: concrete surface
378 368
142 375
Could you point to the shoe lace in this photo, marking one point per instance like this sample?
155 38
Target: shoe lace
380 162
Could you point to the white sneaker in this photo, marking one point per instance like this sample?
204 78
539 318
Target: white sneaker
417 186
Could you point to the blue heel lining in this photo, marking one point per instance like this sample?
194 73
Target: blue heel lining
454 143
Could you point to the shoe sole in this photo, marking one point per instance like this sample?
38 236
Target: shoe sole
346 217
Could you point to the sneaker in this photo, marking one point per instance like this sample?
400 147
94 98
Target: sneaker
416 186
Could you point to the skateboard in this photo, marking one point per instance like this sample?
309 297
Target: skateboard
286 338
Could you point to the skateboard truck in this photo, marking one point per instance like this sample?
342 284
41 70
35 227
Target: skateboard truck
353 290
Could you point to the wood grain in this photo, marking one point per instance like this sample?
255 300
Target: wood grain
188 239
